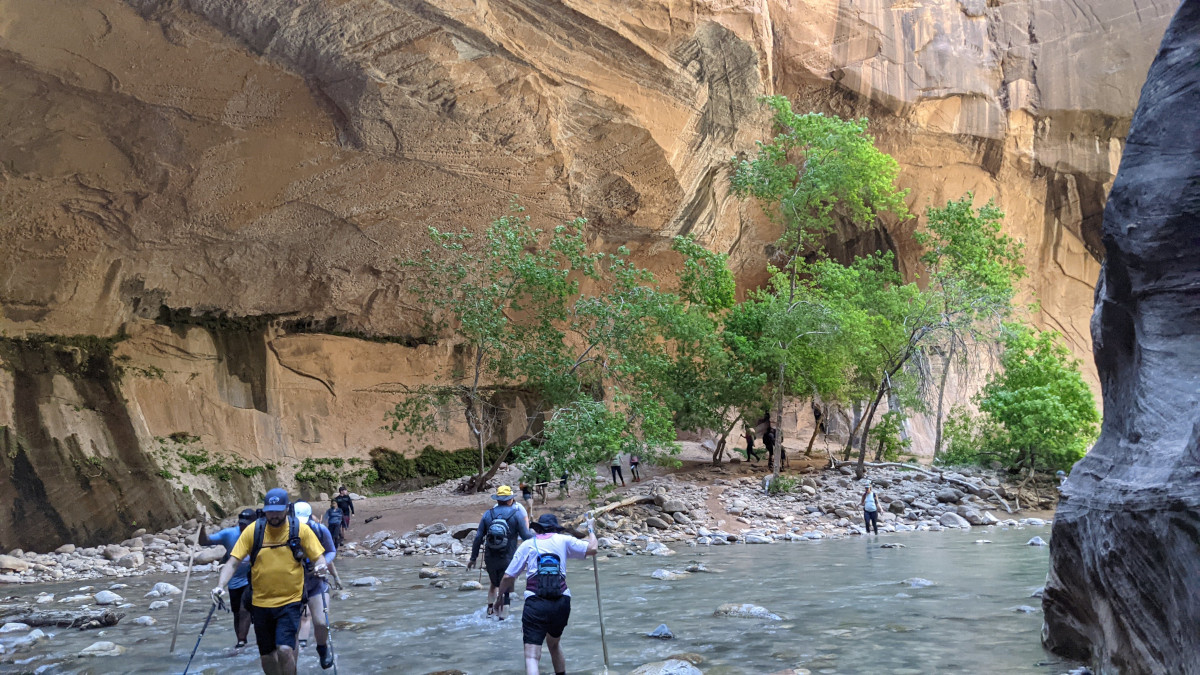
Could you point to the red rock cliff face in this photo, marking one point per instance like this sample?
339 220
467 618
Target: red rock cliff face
164 159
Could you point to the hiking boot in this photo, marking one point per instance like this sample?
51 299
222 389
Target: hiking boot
240 644
326 655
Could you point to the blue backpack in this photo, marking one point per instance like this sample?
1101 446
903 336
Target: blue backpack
550 578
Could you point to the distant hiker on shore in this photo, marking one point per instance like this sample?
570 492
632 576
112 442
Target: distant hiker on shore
276 547
564 486
239 584
615 467
346 504
527 497
870 509
768 440
316 589
333 520
633 468
751 456
502 527
547 609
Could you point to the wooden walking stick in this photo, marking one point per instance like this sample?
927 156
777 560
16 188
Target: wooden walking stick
187 579
599 608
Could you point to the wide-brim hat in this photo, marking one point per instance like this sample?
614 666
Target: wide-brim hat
547 523
503 493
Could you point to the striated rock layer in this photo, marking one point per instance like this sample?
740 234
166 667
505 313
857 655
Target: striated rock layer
1124 587
228 184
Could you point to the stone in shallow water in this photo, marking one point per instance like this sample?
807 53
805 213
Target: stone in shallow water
667 575
668 667
1037 541
14 628
470 586
145 621
428 573
746 611
662 632
102 649
107 598
163 588
365 581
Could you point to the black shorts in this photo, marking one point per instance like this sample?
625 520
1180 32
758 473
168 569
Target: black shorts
541 617
238 601
275 626
495 569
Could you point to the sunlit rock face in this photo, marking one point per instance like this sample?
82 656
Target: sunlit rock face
164 164
1124 587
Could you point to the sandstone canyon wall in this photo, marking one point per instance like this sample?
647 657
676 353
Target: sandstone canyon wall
1124 586
221 188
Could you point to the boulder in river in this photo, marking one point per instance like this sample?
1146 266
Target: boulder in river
145 621
1037 541
165 589
950 519
365 581
429 573
14 627
436 528
746 611
471 585
102 649
159 604
108 598
667 575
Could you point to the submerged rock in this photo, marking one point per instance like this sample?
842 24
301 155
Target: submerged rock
365 581
668 667
746 611
1037 541
470 586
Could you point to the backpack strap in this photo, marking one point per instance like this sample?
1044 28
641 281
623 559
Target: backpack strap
259 529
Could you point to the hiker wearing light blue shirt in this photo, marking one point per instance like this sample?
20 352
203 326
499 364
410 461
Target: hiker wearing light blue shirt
870 508
239 584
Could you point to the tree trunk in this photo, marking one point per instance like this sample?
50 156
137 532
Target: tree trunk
812 439
859 470
778 446
893 405
937 438
856 423
81 619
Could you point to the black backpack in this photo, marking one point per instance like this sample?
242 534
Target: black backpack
550 578
498 531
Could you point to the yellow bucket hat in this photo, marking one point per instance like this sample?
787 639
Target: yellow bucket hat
503 493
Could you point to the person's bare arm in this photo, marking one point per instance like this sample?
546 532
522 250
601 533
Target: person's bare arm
203 539
593 545
227 571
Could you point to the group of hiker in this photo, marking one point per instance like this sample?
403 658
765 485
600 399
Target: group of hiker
769 437
274 573
278 558
512 545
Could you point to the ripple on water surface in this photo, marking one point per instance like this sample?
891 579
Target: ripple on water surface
940 605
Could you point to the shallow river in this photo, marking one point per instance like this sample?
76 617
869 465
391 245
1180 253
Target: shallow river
844 604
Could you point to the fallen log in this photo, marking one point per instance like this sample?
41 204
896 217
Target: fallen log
628 501
61 618
932 474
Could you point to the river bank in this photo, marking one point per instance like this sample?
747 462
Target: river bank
697 504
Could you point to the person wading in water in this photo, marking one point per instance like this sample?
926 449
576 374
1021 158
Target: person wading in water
316 589
239 584
502 527
543 559
870 508
276 546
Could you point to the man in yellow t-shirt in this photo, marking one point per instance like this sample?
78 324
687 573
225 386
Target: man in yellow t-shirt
276 580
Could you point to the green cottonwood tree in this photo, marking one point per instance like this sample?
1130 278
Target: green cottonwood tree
817 170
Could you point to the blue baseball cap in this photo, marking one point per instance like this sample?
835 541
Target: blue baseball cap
276 500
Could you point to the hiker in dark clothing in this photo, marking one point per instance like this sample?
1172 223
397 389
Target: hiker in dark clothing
346 504
817 415
751 456
333 520
502 527
769 443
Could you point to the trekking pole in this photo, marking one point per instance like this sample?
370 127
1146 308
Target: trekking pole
202 630
599 608
187 579
328 630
